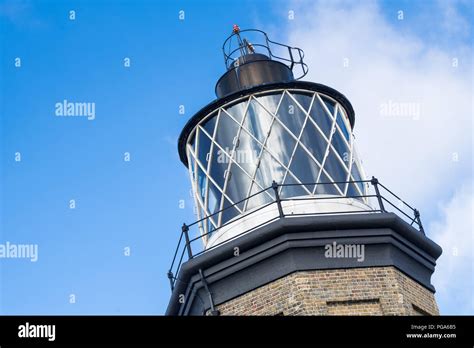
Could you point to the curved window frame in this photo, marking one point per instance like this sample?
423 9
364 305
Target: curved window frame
192 149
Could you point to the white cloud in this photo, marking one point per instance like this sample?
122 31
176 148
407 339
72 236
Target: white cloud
452 21
388 66
411 154
453 278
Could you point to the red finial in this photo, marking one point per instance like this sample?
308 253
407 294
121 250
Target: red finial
235 29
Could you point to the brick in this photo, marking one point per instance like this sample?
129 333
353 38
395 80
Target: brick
357 291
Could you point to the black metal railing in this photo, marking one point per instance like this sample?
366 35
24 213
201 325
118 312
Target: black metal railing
375 198
265 46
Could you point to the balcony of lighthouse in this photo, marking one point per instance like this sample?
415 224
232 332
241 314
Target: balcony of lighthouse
279 154
194 241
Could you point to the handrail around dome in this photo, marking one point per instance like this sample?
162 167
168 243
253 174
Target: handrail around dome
380 193
295 54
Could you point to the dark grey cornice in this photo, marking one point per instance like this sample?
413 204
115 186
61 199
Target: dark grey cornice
297 244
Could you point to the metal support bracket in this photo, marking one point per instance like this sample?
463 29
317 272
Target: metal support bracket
214 311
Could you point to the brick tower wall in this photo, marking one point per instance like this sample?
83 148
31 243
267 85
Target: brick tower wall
353 291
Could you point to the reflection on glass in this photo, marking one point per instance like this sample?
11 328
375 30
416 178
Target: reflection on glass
258 121
352 191
246 152
229 213
341 147
226 132
201 182
304 100
335 169
294 190
270 102
342 125
325 186
356 175
329 103
237 111
237 185
192 141
219 163
320 116
204 147
260 197
356 169
315 144
268 170
304 168
210 226
210 124
281 143
291 115
214 198
191 162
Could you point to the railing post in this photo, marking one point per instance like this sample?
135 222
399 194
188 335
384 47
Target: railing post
418 220
170 277
277 199
291 56
185 230
374 181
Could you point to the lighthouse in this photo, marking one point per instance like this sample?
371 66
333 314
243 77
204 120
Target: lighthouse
288 223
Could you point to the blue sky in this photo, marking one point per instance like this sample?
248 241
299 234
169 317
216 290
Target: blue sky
135 204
